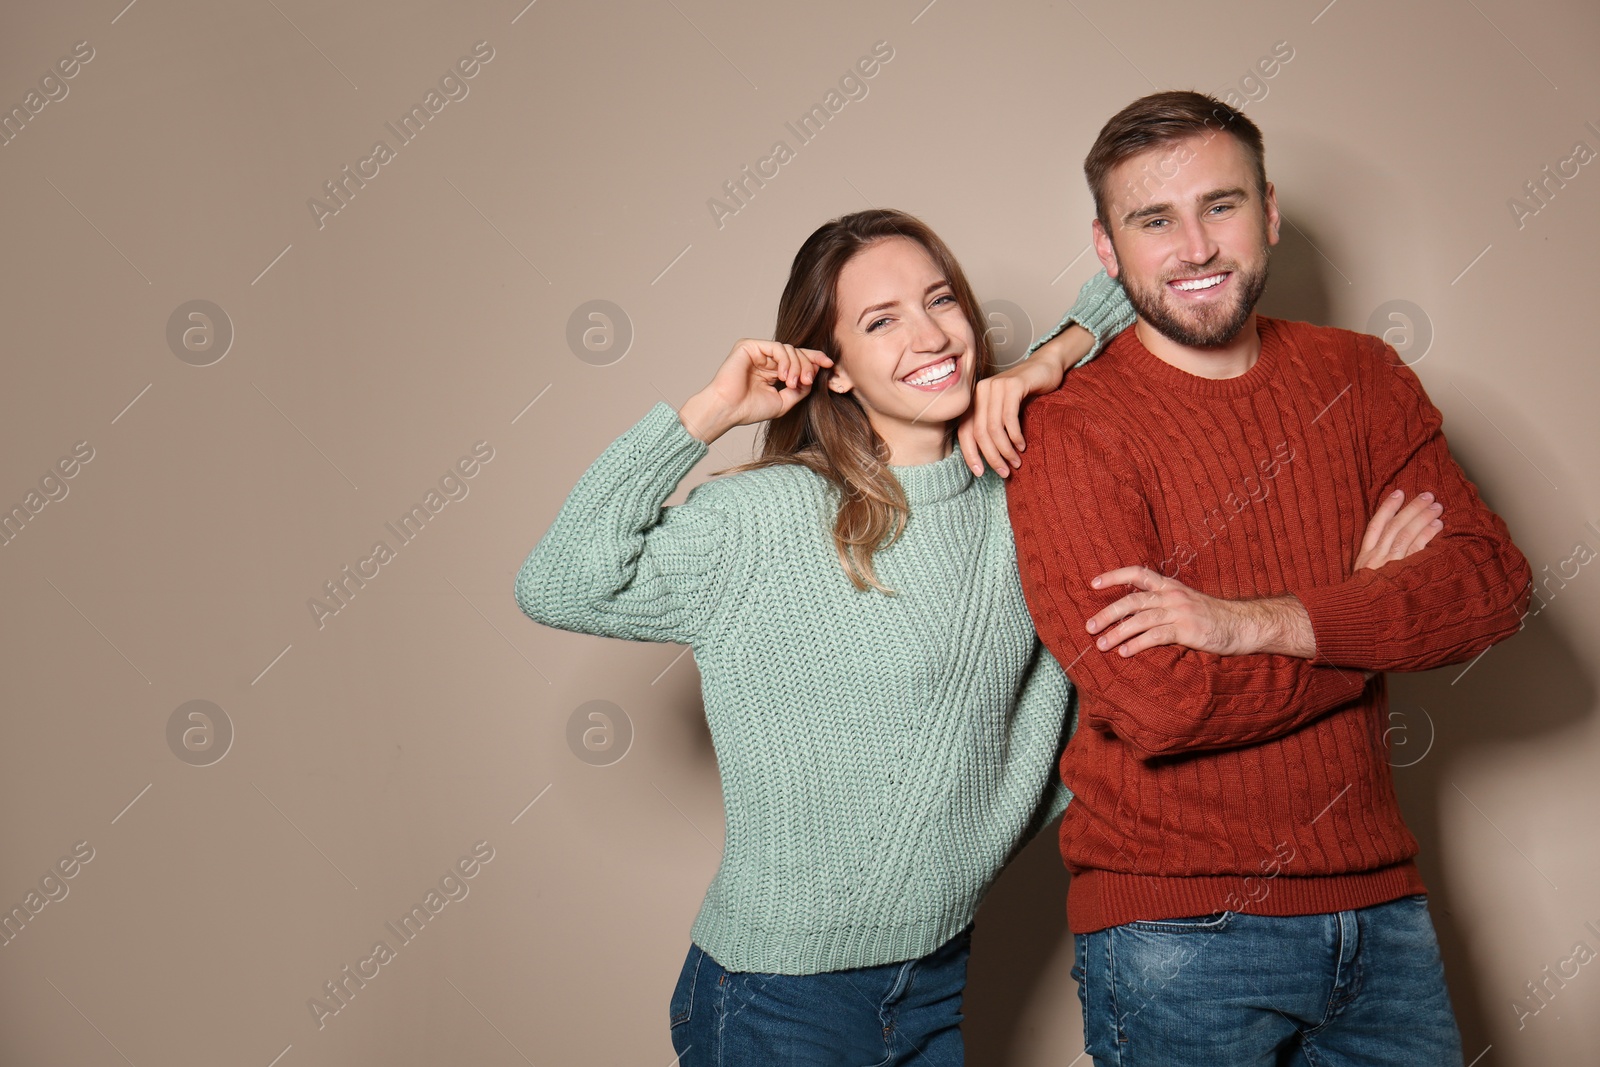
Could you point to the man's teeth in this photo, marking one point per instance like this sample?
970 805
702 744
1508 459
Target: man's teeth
936 373
1200 283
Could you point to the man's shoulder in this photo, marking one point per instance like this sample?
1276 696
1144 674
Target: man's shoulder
1329 343
1368 365
1074 402
1089 387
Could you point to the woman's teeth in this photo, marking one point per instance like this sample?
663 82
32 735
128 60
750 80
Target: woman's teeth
1192 284
934 374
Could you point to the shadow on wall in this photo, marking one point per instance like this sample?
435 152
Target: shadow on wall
1300 277
1021 932
1531 684
1493 705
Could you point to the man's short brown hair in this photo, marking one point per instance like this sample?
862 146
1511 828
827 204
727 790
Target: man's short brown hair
1164 119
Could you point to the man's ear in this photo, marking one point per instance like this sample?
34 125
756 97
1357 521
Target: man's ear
1273 218
1105 249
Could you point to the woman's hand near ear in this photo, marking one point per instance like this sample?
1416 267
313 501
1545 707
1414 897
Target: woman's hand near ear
759 380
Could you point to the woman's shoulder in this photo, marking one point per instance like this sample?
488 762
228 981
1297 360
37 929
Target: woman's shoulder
763 490
759 509
990 487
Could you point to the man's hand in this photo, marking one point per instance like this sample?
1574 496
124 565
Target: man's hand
991 429
1164 611
1395 531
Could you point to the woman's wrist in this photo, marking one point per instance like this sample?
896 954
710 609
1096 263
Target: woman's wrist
1067 347
706 417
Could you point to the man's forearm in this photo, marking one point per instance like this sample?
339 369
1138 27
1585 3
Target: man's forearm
1277 625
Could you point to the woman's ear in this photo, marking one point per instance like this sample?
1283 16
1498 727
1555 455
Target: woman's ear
839 379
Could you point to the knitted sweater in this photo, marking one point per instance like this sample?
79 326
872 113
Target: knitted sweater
881 756
1248 783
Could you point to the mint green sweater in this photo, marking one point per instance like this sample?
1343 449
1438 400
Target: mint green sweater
881 756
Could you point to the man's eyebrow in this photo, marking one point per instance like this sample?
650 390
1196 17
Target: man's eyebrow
1165 207
1147 211
1237 192
940 284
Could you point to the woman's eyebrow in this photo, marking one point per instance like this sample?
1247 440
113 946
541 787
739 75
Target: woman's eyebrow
940 284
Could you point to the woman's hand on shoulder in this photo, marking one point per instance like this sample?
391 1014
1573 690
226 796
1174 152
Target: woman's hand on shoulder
760 380
991 430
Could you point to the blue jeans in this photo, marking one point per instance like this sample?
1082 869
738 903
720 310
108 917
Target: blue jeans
898 1013
1352 987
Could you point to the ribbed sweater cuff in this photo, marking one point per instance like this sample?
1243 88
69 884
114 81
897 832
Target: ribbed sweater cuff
668 450
1102 308
1342 623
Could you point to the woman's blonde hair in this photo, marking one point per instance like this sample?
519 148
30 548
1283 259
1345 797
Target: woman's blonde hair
828 431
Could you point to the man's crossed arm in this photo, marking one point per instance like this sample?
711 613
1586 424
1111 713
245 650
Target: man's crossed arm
1164 611
1176 670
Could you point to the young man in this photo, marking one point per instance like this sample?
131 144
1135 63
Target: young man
1189 534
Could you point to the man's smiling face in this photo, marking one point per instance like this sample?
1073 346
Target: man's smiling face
1191 253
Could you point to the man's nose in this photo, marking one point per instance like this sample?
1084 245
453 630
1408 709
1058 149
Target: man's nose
1199 246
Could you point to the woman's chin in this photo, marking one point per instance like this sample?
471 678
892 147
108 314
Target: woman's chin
943 407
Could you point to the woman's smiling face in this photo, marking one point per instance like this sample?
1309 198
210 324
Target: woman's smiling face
905 347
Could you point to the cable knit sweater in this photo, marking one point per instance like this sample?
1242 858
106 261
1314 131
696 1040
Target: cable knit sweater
881 756
1248 783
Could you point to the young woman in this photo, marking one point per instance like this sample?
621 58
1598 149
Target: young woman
886 722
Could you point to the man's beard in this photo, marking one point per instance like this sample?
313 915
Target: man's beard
1201 325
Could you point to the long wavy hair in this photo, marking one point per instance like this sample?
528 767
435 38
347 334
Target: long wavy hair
828 431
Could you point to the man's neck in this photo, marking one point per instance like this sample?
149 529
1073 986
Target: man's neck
1228 360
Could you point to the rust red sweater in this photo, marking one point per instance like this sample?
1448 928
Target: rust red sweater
1253 783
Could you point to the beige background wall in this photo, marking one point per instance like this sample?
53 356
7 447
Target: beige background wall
343 768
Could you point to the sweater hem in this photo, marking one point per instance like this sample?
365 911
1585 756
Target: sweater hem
834 948
1098 899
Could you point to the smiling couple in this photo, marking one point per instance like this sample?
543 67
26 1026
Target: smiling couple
881 625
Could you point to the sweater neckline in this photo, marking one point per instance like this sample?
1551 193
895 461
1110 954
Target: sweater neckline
1153 368
929 483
